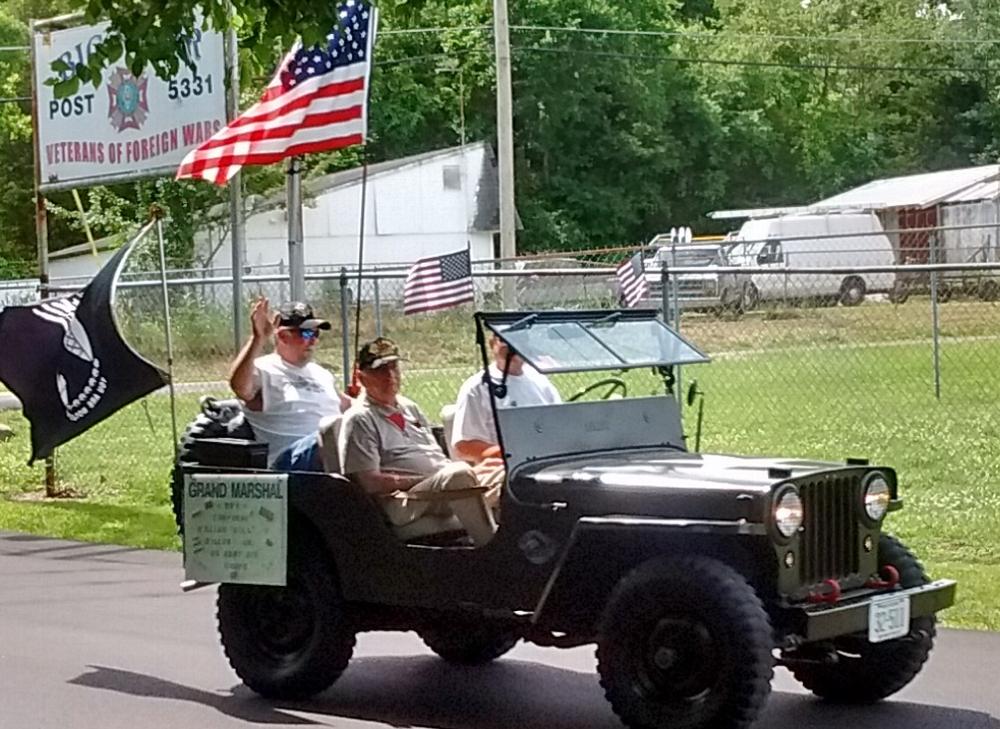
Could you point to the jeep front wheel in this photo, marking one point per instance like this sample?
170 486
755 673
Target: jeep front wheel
867 672
685 643
288 642
467 642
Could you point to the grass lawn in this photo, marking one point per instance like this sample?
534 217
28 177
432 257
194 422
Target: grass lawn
813 401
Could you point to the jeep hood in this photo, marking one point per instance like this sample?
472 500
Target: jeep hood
675 469
661 481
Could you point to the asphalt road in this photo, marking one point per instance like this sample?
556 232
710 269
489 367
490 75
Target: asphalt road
100 636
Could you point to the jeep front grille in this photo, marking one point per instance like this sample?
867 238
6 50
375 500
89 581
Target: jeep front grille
829 542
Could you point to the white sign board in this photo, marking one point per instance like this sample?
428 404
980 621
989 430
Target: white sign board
236 528
128 126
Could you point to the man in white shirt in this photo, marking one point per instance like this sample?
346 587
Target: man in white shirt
474 434
285 394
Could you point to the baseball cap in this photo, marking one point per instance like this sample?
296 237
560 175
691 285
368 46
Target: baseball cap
378 352
299 315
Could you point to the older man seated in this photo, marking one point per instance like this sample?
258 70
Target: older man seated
388 448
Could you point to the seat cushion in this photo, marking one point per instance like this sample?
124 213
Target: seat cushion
329 434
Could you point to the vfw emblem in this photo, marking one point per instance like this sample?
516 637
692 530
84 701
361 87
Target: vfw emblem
128 105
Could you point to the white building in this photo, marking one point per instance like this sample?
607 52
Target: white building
965 202
423 205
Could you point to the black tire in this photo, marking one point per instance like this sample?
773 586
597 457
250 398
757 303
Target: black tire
868 672
685 643
467 642
751 297
203 426
289 642
852 291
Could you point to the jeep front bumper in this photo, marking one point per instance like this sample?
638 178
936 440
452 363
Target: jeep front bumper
811 623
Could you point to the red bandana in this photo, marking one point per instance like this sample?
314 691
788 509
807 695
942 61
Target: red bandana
397 419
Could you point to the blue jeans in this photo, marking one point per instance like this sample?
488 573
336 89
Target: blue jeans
302 455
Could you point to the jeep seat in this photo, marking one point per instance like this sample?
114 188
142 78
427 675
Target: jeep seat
448 423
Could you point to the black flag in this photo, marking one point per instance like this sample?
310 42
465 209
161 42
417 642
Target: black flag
66 361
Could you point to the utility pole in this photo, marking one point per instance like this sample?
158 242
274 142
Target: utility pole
505 146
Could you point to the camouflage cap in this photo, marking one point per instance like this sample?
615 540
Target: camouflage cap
378 352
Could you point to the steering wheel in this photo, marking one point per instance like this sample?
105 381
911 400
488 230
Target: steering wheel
613 385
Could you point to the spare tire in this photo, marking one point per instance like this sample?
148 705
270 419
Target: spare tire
217 419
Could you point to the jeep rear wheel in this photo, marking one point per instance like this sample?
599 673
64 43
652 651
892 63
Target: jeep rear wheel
867 672
685 643
292 641
468 642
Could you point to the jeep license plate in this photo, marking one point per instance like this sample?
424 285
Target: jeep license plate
888 618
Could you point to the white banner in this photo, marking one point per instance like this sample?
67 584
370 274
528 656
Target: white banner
236 528
128 125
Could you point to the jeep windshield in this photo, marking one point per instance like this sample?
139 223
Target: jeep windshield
580 341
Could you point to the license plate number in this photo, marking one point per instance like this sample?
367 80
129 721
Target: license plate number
888 618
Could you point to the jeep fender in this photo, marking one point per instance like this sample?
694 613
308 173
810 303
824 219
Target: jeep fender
602 550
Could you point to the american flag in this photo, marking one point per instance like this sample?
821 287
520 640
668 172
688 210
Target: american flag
632 283
438 283
317 101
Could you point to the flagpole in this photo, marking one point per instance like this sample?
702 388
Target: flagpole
237 238
361 249
296 257
158 214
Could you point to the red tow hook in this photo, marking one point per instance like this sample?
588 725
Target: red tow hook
831 596
891 579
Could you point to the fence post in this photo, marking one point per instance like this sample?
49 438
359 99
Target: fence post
378 308
345 325
935 323
665 292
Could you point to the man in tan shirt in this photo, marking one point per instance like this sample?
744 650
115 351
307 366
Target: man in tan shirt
387 447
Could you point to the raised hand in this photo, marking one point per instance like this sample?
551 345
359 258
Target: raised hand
261 319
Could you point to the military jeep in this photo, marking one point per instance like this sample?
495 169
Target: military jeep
694 574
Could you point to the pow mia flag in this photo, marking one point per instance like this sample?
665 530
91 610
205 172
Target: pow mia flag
66 361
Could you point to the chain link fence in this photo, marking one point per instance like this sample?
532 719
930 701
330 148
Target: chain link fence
807 353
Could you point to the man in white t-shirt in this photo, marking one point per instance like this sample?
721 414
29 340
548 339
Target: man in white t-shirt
285 394
474 434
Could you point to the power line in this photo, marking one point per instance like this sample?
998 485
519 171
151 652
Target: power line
762 64
724 34
13 99
440 29
14 49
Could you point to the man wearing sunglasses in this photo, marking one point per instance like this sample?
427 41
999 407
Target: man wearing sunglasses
285 394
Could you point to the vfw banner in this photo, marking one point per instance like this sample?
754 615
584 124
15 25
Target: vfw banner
129 124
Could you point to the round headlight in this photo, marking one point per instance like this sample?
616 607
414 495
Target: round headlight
788 513
877 497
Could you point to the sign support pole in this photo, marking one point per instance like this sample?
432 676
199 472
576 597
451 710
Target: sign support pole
41 231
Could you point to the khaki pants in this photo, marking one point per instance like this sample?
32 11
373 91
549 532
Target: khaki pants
471 511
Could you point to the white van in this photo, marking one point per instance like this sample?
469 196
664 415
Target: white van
804 241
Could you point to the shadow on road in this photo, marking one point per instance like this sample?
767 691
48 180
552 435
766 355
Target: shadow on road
245 707
427 692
